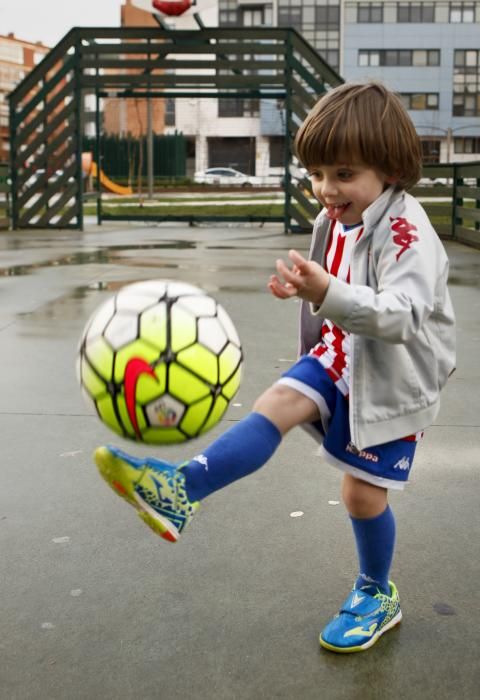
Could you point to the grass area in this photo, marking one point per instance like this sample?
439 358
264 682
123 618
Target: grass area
179 210
159 200
439 212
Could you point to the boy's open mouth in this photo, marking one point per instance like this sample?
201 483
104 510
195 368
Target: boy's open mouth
335 211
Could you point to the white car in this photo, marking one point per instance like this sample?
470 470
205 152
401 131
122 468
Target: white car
224 176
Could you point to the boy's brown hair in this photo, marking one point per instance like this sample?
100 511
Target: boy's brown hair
362 123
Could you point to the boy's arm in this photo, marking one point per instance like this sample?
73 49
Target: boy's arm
407 281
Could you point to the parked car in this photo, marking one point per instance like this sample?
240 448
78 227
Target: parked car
433 181
225 176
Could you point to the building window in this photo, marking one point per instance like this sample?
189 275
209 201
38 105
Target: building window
327 17
277 151
290 17
430 150
234 107
466 105
169 111
428 57
399 57
420 100
230 107
369 58
251 108
253 16
370 12
415 12
467 59
331 56
461 12
466 83
466 144
228 18
9 51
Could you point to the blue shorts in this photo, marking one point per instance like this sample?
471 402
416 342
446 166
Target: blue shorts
387 465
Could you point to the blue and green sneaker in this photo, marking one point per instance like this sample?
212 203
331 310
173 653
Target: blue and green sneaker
362 619
156 489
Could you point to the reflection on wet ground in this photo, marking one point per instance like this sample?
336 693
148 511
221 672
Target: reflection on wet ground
463 272
110 254
102 255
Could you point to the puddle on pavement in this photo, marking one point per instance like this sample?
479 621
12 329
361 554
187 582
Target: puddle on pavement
102 256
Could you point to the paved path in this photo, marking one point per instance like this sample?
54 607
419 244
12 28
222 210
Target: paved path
95 607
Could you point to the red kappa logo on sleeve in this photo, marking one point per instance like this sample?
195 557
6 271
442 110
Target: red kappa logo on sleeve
403 236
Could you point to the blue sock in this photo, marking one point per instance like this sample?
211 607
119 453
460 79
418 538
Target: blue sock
243 449
375 538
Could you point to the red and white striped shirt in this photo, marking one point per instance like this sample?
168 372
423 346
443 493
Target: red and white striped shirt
333 350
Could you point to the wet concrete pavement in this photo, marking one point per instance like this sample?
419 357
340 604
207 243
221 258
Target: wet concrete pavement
93 605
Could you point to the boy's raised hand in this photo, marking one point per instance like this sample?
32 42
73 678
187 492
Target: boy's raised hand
305 279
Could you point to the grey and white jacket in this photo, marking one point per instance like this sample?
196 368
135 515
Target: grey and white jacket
398 311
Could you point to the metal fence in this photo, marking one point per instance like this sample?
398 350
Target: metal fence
450 194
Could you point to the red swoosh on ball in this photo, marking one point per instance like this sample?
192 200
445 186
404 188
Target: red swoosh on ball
133 371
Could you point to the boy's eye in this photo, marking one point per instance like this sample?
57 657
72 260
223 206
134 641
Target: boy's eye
345 174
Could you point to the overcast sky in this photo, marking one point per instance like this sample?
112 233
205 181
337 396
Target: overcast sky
49 20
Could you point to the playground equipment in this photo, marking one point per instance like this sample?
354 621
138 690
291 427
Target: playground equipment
91 169
108 184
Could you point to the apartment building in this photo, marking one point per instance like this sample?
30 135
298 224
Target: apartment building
319 21
17 58
428 51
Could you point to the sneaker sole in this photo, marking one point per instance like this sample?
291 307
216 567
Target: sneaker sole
362 647
112 470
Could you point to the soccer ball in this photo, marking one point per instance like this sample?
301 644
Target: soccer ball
160 362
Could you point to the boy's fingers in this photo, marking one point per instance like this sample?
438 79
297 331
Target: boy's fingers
286 273
297 259
280 290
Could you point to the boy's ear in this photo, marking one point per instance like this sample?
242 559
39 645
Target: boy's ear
391 180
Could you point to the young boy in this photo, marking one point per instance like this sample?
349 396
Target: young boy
377 344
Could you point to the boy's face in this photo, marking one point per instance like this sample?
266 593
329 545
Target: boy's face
347 190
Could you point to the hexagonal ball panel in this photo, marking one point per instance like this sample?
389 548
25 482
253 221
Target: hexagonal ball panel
211 334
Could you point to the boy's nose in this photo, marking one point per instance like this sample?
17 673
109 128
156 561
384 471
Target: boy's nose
328 188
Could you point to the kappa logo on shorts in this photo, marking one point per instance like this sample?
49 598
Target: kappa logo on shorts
402 464
363 454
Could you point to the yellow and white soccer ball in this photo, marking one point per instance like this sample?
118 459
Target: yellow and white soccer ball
160 361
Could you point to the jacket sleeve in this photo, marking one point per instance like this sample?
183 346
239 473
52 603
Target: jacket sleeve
411 274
